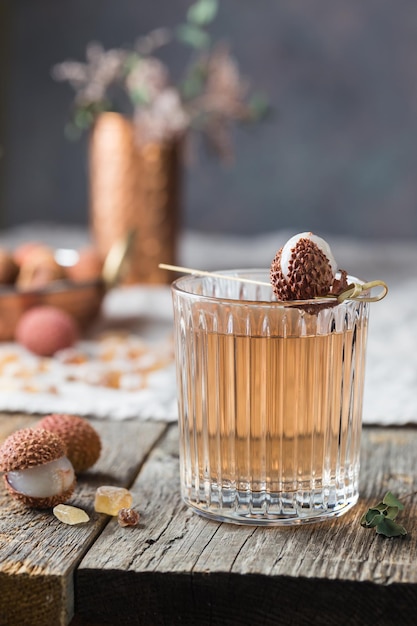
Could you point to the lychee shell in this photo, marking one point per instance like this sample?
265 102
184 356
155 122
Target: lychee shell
81 439
30 447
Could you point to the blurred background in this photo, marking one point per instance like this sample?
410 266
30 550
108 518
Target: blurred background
338 154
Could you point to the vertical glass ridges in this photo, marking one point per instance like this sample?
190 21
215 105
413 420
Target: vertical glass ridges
270 400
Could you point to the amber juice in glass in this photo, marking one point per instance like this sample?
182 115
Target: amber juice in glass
270 401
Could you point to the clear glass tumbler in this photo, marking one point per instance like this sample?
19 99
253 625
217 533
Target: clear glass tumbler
270 401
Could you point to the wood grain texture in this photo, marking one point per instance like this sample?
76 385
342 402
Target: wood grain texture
38 554
179 568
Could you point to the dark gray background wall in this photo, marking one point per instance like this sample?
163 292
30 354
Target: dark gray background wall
339 155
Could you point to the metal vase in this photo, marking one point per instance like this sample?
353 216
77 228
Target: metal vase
135 187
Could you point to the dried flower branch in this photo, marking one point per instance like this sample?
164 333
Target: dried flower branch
91 80
210 98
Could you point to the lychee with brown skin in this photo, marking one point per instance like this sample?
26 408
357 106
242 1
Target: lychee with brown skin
304 269
88 267
38 269
25 250
81 439
37 471
46 329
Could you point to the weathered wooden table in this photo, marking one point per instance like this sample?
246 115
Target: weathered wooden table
178 568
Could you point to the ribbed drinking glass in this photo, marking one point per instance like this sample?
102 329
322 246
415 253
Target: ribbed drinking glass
270 401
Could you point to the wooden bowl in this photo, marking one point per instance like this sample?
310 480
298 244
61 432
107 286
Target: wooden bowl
81 300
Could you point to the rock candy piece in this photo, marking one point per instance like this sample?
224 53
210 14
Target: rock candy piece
128 517
110 499
70 514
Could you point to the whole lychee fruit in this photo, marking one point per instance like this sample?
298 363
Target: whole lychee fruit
81 439
38 269
37 470
24 250
46 329
88 266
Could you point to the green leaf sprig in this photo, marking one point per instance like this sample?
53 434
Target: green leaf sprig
199 17
382 516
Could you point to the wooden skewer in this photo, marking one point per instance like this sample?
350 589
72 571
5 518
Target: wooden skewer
189 270
353 292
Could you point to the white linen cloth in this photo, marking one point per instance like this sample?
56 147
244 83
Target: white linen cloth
121 387
391 371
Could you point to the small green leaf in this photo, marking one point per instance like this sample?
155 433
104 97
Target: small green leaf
391 500
391 512
193 36
202 12
389 528
371 518
83 118
388 511
382 516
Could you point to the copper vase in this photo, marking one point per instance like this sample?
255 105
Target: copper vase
136 188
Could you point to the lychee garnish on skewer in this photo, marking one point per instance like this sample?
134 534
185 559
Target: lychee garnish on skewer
305 268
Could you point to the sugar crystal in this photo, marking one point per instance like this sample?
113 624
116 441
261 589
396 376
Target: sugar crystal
70 514
128 517
110 499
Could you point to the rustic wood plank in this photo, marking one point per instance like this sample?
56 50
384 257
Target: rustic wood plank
178 568
38 554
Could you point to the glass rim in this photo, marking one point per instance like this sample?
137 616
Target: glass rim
176 287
